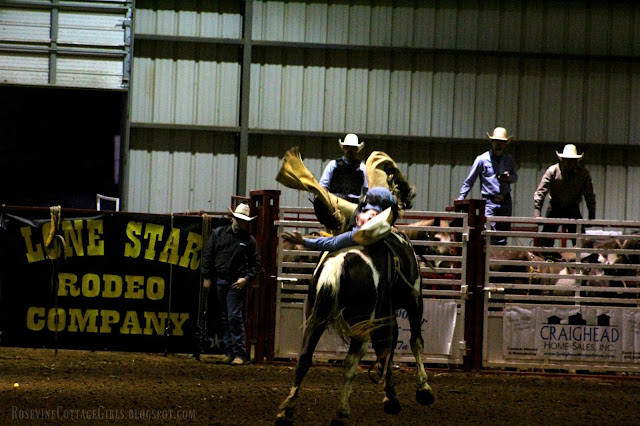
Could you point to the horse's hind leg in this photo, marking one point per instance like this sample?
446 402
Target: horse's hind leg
424 393
384 352
357 350
287 408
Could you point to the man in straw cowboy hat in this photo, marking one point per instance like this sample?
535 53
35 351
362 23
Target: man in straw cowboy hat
231 258
567 183
497 171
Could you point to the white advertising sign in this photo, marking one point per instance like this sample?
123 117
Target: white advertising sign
587 333
438 326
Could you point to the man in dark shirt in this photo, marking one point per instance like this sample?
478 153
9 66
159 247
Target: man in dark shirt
567 183
231 258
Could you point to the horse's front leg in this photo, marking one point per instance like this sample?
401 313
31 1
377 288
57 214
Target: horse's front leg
287 408
357 350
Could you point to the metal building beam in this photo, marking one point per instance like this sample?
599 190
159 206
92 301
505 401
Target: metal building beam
245 84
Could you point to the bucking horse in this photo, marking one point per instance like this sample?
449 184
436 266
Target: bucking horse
357 291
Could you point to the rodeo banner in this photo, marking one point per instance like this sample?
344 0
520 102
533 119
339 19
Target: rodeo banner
587 333
114 281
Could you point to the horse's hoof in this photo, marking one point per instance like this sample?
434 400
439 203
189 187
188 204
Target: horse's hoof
339 422
425 396
284 422
392 406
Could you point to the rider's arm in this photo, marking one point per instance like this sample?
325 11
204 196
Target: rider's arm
331 243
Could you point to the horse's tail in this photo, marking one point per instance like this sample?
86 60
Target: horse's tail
325 310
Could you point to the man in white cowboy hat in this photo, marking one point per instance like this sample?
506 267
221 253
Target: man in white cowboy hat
231 258
497 171
567 183
346 176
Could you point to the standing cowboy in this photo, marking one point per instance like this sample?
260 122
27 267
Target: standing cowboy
497 171
346 176
231 258
566 182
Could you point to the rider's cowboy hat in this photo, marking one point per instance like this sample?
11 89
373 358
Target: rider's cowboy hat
375 229
500 134
570 152
242 212
351 140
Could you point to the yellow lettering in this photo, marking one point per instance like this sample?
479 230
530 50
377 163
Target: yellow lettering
78 321
109 317
133 249
112 286
90 285
86 322
134 287
57 319
73 237
155 288
153 233
152 323
172 245
131 325
194 245
35 318
67 284
34 254
178 319
53 251
95 246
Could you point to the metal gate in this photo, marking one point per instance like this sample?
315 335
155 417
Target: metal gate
570 306
443 287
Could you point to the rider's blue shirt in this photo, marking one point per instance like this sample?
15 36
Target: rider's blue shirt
332 243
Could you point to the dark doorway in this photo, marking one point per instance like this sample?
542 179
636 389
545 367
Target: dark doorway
59 146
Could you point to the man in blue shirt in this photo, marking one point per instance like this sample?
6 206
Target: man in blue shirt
378 199
497 171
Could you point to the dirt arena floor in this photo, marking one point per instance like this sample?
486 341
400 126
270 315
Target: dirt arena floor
38 387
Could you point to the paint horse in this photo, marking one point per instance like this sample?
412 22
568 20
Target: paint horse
357 291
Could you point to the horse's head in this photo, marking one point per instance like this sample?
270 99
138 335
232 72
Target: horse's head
432 242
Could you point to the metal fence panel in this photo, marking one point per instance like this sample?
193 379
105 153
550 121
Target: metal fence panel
443 268
572 305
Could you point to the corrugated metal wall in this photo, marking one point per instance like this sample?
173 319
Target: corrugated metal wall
81 44
177 169
422 80
438 170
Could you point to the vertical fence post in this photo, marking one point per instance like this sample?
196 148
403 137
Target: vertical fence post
261 323
475 282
